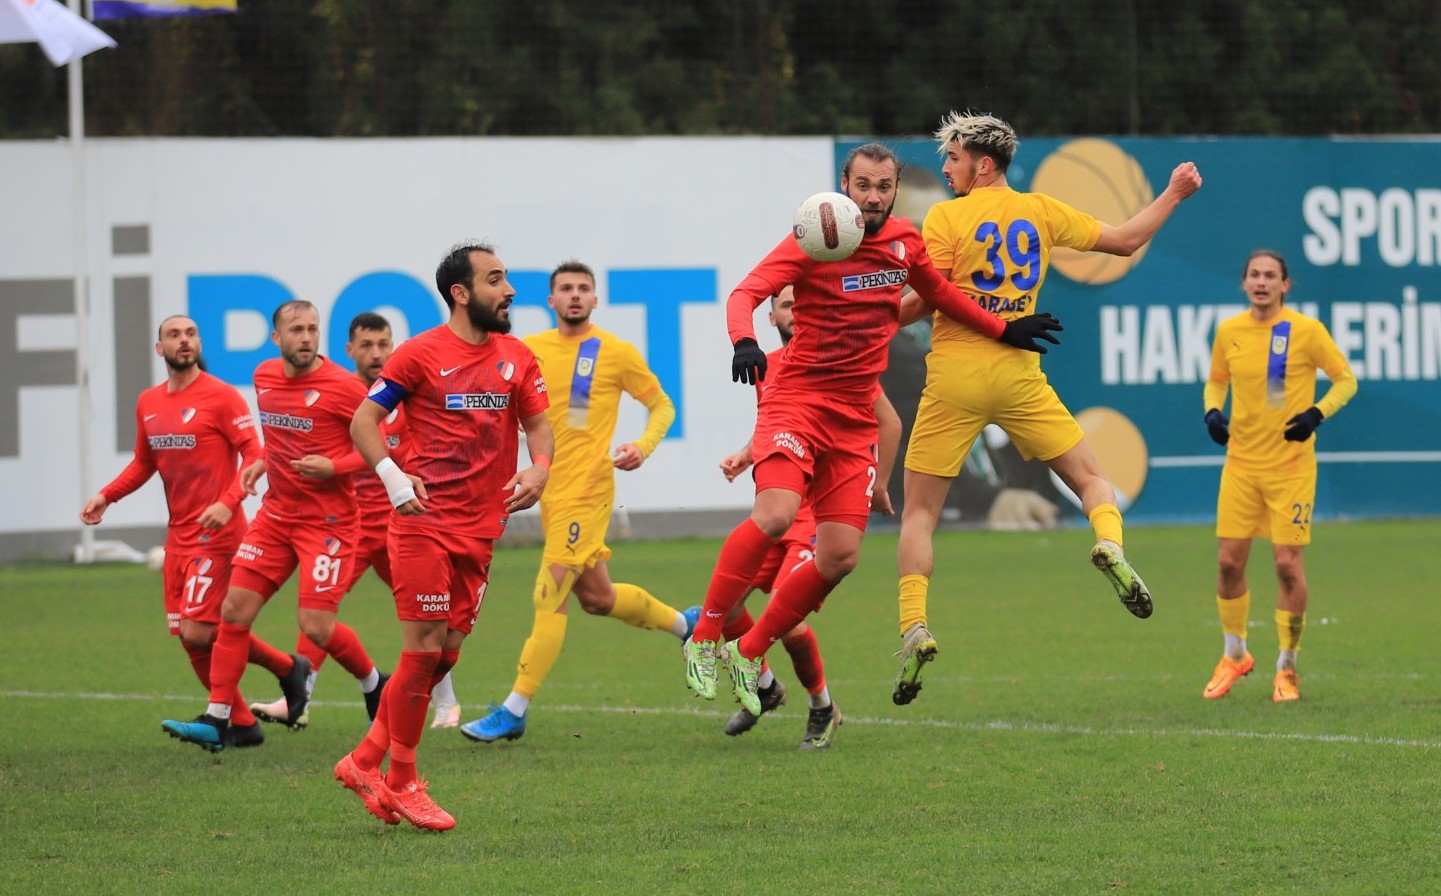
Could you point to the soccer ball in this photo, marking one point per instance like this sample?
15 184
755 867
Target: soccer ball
829 226
155 559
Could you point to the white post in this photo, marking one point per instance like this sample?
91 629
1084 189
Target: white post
85 553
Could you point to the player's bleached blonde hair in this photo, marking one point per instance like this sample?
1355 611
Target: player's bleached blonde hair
985 134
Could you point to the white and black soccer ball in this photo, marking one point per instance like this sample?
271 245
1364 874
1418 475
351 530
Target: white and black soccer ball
155 559
829 226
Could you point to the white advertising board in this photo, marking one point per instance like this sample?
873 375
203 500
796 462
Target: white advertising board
224 230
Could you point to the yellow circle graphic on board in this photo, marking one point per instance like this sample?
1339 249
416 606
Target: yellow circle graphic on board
1101 179
1119 448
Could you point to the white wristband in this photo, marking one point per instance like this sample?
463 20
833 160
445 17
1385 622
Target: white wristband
397 485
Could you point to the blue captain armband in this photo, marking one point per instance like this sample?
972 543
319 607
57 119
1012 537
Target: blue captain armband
386 394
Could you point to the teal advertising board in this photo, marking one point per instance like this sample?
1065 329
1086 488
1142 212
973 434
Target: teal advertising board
1359 223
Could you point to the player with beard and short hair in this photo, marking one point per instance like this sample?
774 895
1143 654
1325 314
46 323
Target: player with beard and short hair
467 388
816 434
307 521
191 429
796 547
587 370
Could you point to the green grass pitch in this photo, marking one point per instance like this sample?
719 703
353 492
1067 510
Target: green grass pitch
1059 745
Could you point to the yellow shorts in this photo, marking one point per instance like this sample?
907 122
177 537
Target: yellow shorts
575 533
962 395
1264 505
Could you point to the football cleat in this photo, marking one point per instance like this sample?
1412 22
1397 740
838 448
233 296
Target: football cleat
366 784
821 725
499 724
245 735
206 732
700 671
745 677
1227 673
918 647
1286 687
692 616
1111 561
372 697
412 803
292 685
744 720
278 713
447 715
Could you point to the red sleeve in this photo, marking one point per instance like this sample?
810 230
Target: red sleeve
241 433
138 471
353 394
778 269
943 295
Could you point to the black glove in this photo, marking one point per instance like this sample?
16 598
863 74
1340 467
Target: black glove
748 365
1023 332
1303 424
1219 426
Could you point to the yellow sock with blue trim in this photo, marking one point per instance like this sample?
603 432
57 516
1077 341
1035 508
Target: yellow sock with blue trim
914 590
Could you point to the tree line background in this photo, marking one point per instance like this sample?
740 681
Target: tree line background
394 68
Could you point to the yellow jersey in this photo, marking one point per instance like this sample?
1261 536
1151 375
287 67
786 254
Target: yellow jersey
1270 367
997 244
585 376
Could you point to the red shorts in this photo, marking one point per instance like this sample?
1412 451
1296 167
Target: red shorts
271 550
825 453
373 553
795 547
439 575
196 580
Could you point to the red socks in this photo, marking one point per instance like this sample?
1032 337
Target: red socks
407 696
806 658
741 557
800 593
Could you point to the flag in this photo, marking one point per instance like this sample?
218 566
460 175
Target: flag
62 34
124 9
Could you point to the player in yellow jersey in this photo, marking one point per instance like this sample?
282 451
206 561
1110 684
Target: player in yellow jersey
995 244
586 371
1268 357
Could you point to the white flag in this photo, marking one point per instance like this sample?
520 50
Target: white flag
62 34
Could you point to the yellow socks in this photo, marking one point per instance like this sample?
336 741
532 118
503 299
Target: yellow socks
1106 523
541 650
635 606
913 600
1288 627
1234 613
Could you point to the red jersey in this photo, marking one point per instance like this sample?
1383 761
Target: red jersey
375 506
463 406
192 438
302 415
847 311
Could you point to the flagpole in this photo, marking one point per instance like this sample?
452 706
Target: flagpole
85 553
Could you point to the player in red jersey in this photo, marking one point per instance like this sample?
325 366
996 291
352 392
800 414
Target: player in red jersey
191 429
815 435
795 548
468 388
369 347
307 520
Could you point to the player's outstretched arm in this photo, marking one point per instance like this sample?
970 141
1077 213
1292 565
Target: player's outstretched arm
1138 231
